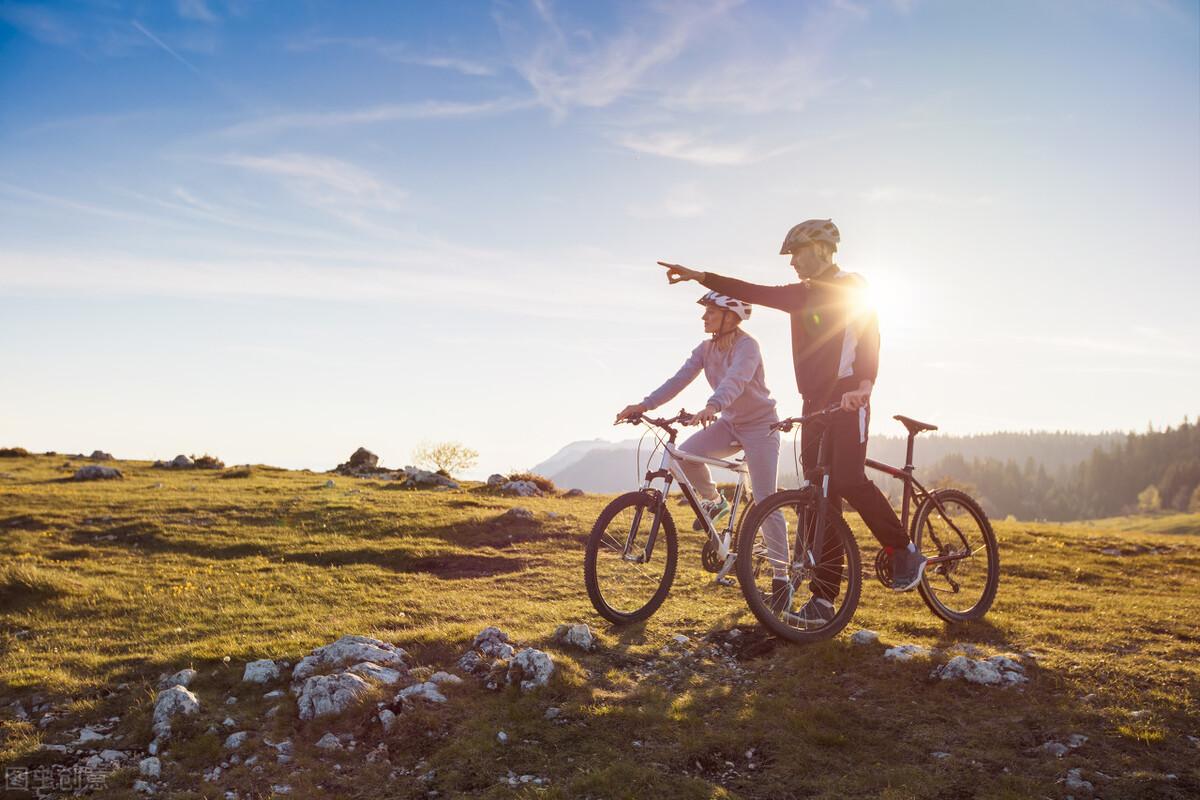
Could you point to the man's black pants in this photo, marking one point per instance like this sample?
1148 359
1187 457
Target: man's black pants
847 453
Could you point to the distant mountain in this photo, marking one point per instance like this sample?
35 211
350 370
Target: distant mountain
601 466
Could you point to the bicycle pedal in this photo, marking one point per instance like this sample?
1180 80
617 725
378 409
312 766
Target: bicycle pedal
726 581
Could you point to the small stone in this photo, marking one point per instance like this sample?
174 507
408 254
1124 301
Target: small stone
681 640
329 484
387 718
445 678
183 677
573 493
1139 715
530 668
143 787
940 754
517 513
274 693
236 740
1056 749
229 722
502 737
422 691
864 637
111 755
907 652
1076 783
230 701
171 702
262 671
329 742
90 735
578 635
552 712
281 788
1076 740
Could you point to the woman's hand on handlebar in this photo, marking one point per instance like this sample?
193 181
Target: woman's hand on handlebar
704 416
630 412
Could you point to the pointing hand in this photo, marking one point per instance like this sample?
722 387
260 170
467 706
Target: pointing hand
677 273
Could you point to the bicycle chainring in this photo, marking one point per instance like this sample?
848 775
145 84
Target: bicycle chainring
883 567
709 558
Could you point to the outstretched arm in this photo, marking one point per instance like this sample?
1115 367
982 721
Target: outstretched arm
679 381
789 297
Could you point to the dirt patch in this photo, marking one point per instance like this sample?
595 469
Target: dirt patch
467 566
746 642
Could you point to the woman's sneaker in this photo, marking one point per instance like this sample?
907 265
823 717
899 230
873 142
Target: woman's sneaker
714 510
816 612
907 568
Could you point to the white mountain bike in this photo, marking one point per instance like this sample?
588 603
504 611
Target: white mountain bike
629 563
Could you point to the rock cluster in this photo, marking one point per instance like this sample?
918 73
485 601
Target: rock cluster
493 659
361 462
993 671
178 462
100 455
521 488
578 635
331 678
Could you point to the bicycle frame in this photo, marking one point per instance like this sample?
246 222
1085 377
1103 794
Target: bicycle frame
915 492
669 471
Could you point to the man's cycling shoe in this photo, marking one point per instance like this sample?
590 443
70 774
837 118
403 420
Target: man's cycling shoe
816 612
714 510
907 569
780 599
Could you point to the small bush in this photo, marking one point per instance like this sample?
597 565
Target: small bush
444 457
237 472
541 481
13 452
207 462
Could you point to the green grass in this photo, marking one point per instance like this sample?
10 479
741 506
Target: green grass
106 585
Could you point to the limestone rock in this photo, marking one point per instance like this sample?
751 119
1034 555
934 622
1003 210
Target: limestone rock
329 742
864 637
361 461
425 478
530 668
516 513
1074 781
496 479
100 455
907 652
178 462
350 650
262 671
170 703
422 691
322 695
440 677
994 671
521 488
371 670
578 635
387 718
493 642
236 740
183 677
573 493
95 472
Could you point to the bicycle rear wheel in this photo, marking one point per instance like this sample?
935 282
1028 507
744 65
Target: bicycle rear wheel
963 589
820 565
623 584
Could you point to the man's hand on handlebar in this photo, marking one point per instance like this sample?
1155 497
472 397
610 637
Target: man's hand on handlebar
630 412
677 273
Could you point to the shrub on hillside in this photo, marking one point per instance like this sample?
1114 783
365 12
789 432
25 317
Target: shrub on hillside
444 458
207 462
237 472
540 481
13 452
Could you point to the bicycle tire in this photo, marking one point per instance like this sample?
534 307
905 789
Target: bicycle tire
747 563
600 548
926 512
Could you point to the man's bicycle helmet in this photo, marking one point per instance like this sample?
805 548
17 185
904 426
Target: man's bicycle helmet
812 230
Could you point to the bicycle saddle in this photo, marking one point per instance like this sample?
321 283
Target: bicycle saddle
914 426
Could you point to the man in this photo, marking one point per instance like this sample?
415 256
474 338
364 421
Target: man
835 351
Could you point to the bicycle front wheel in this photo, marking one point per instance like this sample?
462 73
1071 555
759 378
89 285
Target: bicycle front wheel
625 581
951 524
820 563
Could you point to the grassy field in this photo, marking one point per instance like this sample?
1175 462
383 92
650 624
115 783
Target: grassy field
106 585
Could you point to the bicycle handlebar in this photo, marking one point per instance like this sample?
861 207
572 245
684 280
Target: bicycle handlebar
786 425
682 418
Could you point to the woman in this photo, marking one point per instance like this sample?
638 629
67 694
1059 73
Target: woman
732 363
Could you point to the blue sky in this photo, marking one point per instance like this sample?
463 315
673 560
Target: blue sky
277 231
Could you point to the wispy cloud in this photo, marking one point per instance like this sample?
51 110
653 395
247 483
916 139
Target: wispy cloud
195 10
398 52
691 148
391 112
567 67
343 190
